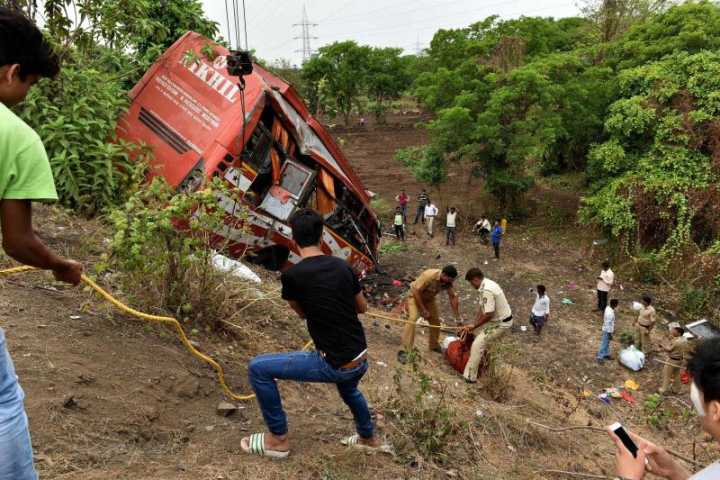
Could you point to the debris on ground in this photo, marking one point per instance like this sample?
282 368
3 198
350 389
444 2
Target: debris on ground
225 409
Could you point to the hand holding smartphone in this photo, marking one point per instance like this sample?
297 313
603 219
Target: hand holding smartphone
624 437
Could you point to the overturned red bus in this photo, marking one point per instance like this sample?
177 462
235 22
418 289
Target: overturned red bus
193 115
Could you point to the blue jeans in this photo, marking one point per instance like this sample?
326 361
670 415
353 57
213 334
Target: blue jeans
264 370
16 456
604 346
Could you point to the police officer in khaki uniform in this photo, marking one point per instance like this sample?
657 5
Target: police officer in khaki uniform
493 321
676 348
645 324
421 302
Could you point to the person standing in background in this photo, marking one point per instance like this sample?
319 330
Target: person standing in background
399 224
644 324
608 329
423 199
450 224
604 285
676 348
403 199
496 238
431 212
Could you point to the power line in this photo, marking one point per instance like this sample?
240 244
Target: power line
305 36
245 25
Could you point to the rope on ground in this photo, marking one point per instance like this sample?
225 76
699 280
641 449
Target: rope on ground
220 373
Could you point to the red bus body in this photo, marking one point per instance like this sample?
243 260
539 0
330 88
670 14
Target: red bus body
189 110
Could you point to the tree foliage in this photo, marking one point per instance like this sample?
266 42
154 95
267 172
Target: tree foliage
105 46
342 74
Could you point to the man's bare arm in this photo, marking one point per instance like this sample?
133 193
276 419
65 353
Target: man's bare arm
21 243
296 306
360 303
417 295
454 302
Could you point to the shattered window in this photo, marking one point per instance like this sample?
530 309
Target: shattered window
295 178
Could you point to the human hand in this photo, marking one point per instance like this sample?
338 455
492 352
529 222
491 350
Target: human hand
627 466
68 271
464 330
660 462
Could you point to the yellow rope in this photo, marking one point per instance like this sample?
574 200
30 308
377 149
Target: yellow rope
383 316
181 332
160 319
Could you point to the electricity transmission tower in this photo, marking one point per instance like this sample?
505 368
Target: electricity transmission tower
305 36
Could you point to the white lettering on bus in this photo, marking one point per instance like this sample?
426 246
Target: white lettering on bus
212 78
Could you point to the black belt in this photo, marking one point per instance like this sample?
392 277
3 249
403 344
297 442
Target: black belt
508 319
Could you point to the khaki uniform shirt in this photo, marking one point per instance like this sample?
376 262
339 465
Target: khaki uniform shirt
646 318
493 300
428 284
677 348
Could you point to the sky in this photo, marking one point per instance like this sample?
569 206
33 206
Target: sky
406 24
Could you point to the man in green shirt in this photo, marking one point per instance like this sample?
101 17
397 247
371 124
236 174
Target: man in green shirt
25 175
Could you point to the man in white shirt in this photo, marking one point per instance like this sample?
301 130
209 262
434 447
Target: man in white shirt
608 329
604 284
431 212
493 321
540 310
705 397
483 228
450 224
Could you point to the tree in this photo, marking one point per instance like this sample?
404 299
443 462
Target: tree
387 78
612 18
341 69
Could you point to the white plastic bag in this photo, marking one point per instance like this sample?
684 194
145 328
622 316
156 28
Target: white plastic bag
233 267
632 358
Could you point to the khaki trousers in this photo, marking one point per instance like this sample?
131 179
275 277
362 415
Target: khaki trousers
642 338
408 336
671 377
484 336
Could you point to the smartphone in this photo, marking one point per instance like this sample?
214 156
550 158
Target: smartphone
622 434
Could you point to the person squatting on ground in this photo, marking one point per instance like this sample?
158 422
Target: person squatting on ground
644 325
493 320
25 175
422 201
676 348
483 227
324 291
496 237
399 224
422 302
431 212
704 366
540 310
450 226
608 328
604 285
403 199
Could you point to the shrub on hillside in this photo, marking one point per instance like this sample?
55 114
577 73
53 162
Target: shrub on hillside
163 244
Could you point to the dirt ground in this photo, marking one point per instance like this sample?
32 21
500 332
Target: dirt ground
111 397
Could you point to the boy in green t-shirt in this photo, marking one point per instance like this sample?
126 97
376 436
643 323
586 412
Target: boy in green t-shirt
25 175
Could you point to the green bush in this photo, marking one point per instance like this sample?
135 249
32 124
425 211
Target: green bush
694 302
163 244
75 116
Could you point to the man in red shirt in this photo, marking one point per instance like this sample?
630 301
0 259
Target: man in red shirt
403 200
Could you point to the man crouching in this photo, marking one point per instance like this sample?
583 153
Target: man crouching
494 319
325 292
